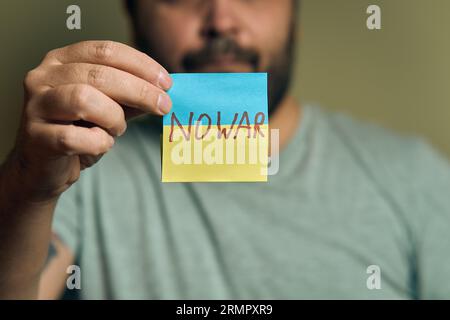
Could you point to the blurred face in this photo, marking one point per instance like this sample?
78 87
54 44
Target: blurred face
220 36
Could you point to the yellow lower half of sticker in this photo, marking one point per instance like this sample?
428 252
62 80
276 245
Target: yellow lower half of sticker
207 154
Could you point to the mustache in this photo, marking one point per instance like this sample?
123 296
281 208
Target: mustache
220 46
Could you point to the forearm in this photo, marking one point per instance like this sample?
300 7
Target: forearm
25 231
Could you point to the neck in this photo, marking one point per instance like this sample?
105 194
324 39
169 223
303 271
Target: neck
286 118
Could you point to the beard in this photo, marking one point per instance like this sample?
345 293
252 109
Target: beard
216 46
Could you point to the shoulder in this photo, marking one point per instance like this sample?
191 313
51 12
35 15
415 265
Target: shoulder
379 149
404 168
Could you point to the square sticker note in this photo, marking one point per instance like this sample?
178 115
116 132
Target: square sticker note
218 128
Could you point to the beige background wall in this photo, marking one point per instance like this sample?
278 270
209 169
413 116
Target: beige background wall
398 77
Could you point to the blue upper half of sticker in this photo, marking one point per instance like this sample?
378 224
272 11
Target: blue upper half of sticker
218 94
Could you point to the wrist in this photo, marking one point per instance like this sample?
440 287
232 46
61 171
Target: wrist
17 186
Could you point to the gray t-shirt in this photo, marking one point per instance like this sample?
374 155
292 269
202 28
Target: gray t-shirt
349 198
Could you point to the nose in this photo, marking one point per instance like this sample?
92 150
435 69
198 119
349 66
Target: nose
220 19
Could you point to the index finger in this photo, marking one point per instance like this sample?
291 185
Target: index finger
114 54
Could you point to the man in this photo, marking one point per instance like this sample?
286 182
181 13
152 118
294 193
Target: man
350 199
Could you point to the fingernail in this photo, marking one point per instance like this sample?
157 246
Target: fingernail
164 80
164 103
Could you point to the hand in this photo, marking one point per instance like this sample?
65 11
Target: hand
76 102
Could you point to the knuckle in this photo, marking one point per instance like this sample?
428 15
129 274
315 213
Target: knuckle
104 50
28 131
79 95
105 146
51 55
101 148
96 76
31 109
31 79
28 137
144 93
64 141
100 142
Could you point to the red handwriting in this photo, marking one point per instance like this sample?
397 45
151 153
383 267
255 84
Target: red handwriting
244 123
